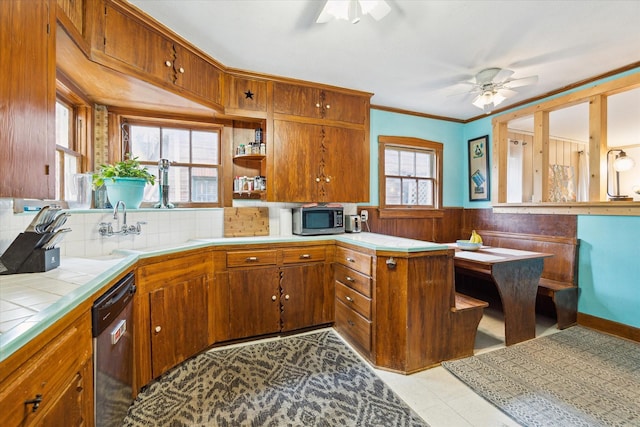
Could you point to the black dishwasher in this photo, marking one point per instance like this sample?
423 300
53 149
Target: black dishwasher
113 353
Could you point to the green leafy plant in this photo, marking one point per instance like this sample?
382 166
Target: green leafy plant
129 168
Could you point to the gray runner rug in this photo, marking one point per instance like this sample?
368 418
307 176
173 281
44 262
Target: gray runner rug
304 380
576 377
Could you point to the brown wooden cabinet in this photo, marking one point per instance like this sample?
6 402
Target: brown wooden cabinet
136 47
245 96
54 386
172 309
319 103
74 11
319 163
27 99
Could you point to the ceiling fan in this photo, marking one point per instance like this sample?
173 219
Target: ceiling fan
352 10
494 85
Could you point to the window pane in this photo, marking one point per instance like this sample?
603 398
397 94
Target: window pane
409 192
63 120
425 192
391 162
393 191
407 163
178 184
204 185
175 145
145 142
205 147
424 165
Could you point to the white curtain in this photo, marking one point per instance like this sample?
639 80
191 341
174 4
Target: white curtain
583 177
514 172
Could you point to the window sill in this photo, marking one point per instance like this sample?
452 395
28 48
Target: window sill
578 208
389 213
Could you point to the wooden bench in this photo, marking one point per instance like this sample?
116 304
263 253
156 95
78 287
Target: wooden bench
465 318
559 275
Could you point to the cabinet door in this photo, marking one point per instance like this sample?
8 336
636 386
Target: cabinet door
179 319
74 406
27 99
345 154
295 161
74 10
197 76
137 46
343 107
306 297
254 302
245 94
296 100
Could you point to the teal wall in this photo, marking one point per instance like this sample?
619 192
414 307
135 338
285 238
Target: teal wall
608 266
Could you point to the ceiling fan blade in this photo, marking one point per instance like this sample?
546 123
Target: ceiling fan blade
378 9
507 93
502 75
525 81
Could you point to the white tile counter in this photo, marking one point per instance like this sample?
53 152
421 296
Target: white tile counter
30 303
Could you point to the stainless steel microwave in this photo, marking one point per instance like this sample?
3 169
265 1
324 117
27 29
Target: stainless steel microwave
315 220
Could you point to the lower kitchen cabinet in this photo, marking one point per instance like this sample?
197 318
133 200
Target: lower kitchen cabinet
275 290
172 313
54 387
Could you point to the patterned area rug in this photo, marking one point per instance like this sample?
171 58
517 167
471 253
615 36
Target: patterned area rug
304 380
576 377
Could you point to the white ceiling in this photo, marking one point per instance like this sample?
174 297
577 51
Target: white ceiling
416 56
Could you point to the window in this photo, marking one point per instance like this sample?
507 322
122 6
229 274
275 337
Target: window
410 176
193 153
68 158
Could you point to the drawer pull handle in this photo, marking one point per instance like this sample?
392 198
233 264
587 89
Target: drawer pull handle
305 256
251 259
349 279
351 259
35 402
273 298
348 298
350 322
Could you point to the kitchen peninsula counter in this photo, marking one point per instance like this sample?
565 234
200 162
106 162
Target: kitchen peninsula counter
32 302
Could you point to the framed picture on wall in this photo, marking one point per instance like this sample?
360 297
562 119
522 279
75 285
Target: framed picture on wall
479 169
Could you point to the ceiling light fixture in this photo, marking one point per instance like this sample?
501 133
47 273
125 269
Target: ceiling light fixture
488 100
351 10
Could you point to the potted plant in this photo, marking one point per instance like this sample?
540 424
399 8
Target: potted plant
124 181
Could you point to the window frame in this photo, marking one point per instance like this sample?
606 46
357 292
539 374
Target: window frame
184 125
596 96
410 144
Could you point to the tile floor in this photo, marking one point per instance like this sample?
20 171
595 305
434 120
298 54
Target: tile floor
444 401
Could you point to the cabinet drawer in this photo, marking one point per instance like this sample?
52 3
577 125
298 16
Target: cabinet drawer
354 300
352 278
352 259
305 254
251 258
356 328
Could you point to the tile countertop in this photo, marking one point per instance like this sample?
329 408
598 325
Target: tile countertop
30 303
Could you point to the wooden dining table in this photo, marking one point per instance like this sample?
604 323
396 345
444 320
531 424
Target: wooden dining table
516 274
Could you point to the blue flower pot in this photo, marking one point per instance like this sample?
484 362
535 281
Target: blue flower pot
129 190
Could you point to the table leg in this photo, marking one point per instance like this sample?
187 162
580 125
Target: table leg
517 283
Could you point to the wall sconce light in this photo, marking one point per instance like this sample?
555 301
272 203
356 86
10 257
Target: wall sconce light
621 163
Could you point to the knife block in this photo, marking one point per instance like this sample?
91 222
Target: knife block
25 254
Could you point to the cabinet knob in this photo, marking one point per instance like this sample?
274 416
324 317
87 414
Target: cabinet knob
349 279
327 179
348 298
327 106
317 105
305 256
351 259
273 298
286 297
167 63
158 329
350 322
35 402
318 179
181 70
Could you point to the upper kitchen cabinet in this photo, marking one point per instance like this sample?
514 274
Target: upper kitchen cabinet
319 163
73 17
128 43
245 96
27 99
314 102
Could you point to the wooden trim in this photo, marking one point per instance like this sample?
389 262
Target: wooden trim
388 213
609 327
523 236
414 113
585 208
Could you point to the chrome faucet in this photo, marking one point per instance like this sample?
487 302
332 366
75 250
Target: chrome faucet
124 215
106 229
